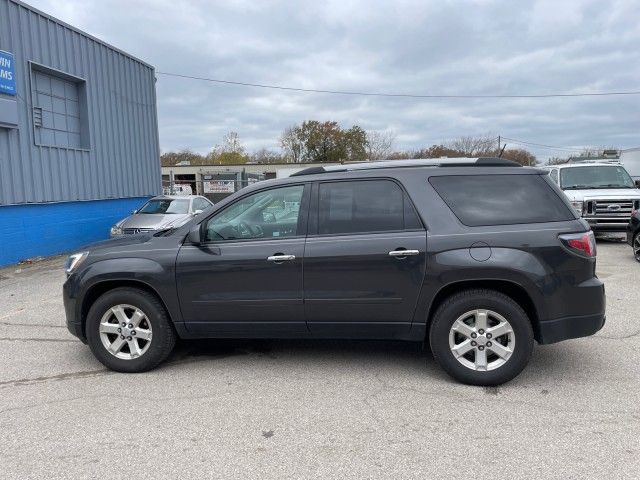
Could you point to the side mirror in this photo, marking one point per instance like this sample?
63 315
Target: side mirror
638 183
197 212
194 236
133 212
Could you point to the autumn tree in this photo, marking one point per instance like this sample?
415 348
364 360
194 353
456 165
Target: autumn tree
523 157
315 141
186 157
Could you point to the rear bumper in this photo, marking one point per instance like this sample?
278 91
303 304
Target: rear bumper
552 331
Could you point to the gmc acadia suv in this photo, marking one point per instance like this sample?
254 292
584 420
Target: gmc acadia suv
478 257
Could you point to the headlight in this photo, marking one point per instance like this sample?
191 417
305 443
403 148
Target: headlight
577 206
74 261
116 230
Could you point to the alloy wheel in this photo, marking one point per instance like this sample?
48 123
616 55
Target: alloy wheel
125 332
482 340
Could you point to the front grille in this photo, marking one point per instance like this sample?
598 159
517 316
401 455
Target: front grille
131 231
609 211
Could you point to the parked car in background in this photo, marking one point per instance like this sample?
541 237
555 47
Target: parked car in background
165 211
633 233
344 252
602 192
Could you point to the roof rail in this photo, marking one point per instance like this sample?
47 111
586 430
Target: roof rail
420 162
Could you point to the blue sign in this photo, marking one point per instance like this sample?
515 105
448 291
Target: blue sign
7 73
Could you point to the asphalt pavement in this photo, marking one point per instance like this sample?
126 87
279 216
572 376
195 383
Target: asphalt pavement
313 409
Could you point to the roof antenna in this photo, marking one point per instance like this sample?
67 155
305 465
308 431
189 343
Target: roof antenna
502 151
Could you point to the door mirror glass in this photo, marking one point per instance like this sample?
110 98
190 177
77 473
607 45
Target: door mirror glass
194 236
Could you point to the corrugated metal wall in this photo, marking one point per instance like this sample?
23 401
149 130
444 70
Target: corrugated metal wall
123 158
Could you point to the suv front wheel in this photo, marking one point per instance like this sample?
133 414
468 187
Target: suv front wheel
481 337
128 330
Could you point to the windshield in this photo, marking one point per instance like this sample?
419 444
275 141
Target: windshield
166 205
595 176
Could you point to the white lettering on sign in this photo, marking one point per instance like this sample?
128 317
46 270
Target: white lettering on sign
6 75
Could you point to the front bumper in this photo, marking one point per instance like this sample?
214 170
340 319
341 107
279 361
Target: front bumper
552 331
74 322
607 224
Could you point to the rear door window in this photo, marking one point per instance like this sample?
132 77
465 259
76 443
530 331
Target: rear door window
364 206
479 200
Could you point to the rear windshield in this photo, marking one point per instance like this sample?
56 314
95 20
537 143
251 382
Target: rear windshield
501 199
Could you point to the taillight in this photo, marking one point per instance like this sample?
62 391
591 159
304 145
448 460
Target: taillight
581 243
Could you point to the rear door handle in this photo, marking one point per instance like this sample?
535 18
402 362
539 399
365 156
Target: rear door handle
279 257
403 253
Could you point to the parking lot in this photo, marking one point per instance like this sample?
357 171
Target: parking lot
313 409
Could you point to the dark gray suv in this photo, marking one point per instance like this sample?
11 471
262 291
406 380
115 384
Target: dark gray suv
478 257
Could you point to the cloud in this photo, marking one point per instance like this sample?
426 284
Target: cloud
437 47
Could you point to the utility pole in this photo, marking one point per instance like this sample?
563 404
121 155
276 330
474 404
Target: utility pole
498 142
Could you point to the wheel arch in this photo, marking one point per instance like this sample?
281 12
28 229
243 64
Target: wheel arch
513 290
100 288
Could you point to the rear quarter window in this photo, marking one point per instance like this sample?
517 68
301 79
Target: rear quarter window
481 200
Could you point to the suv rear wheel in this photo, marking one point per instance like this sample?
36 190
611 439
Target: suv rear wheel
481 337
128 330
636 246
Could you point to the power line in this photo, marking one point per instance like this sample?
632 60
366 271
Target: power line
552 147
395 95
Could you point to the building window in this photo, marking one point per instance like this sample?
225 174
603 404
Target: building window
60 116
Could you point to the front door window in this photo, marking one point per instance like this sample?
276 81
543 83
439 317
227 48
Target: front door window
267 214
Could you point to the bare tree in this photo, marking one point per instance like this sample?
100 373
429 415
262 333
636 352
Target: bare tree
474 146
380 144
292 145
557 160
231 144
265 155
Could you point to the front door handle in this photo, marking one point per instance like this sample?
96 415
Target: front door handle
403 253
279 257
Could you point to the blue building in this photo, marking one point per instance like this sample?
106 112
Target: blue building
78 135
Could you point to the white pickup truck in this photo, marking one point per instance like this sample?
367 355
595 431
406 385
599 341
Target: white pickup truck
603 193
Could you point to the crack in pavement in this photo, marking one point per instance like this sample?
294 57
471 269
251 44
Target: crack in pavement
631 335
11 313
92 373
63 340
60 376
9 324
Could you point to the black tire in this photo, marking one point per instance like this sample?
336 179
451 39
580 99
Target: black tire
636 241
462 302
163 335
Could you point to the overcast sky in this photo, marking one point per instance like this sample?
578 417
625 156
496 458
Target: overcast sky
416 47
